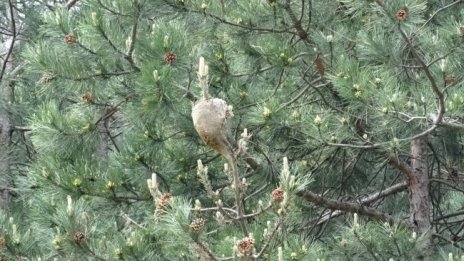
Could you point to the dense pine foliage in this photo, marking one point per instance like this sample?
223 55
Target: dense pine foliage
348 119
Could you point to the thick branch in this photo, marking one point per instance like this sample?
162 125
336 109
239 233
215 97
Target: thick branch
349 207
296 23
401 166
366 200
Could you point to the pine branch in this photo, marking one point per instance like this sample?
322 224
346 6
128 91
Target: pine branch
113 141
296 22
224 21
441 10
110 10
215 209
454 243
105 36
426 69
365 201
450 215
259 212
133 37
130 220
103 75
381 144
206 250
70 4
151 170
324 100
21 128
111 111
404 168
428 73
238 197
269 239
366 245
349 207
302 92
113 46
451 185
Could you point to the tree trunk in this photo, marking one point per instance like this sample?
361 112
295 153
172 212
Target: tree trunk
419 202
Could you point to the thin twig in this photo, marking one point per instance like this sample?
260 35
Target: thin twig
130 220
294 99
269 239
428 73
454 243
440 10
133 37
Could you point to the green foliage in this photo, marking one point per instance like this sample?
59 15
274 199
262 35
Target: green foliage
371 241
332 93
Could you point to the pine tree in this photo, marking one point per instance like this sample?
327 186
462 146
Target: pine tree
242 130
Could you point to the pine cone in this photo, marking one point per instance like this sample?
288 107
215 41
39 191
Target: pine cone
70 38
402 14
170 57
47 77
278 195
78 237
210 119
197 225
164 200
87 97
246 246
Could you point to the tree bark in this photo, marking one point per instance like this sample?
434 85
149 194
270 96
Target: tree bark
4 160
419 200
